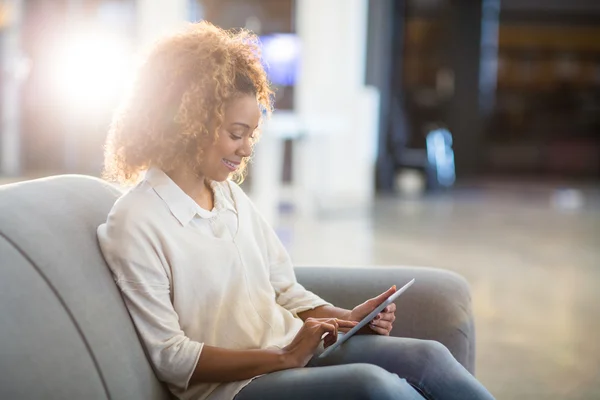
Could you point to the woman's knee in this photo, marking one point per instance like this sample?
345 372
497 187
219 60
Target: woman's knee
370 382
432 351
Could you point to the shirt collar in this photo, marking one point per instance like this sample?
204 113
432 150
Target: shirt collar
222 201
182 206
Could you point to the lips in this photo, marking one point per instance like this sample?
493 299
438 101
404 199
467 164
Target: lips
232 165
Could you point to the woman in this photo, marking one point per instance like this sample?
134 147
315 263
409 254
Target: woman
209 286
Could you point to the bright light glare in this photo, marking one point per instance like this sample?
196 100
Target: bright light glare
281 48
441 155
92 69
281 54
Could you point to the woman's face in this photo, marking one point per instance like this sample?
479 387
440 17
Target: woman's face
234 141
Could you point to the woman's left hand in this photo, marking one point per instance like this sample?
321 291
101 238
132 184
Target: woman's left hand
382 324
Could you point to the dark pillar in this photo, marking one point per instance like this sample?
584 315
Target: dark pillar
464 114
384 44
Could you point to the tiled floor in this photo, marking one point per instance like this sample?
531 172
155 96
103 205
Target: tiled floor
533 266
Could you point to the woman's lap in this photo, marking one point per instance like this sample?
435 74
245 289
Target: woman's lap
427 365
336 382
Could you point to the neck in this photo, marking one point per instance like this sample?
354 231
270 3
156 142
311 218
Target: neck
193 185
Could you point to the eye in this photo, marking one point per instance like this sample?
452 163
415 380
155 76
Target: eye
234 136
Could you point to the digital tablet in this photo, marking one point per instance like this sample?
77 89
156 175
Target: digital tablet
342 337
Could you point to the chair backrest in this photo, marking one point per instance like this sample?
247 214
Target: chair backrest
64 330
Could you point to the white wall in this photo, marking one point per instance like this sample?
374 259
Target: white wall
157 17
12 68
334 165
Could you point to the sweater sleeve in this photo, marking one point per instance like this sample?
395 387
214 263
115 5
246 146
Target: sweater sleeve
290 294
141 272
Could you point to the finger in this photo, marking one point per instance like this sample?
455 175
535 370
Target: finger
342 323
381 298
391 308
379 330
331 337
345 330
328 328
382 316
329 340
347 327
385 317
382 324
329 321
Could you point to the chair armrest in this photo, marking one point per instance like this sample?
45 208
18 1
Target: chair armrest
437 307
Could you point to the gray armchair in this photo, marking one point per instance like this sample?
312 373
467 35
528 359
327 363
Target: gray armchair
66 334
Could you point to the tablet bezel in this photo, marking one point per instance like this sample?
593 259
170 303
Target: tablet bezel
366 319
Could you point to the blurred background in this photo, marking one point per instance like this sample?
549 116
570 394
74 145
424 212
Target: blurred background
457 134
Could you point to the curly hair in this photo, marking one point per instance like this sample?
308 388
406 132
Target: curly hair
175 104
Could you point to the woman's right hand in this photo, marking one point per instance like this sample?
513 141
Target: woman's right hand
303 347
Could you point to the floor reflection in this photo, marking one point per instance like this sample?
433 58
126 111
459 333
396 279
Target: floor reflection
534 267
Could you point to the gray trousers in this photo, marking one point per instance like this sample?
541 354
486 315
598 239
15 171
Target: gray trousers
373 367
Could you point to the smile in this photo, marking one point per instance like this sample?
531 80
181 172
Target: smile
230 164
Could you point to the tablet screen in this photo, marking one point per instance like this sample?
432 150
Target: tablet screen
366 320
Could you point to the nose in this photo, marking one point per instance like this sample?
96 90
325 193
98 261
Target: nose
245 149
